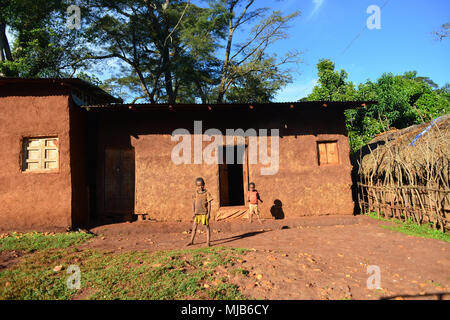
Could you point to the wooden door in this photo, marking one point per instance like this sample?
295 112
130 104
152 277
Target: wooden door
119 181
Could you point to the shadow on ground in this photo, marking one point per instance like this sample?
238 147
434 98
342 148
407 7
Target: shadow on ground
238 237
426 296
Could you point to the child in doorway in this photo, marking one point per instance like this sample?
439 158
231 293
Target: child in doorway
253 198
201 208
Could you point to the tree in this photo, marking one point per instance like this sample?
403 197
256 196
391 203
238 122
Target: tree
257 83
157 51
402 100
163 46
43 46
332 85
248 64
5 49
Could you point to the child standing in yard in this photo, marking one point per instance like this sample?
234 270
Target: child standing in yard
253 198
201 208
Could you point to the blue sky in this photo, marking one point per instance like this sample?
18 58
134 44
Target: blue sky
405 41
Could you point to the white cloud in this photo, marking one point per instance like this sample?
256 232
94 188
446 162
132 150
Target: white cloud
317 5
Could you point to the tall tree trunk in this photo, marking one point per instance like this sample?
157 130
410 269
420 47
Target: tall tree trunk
5 50
166 61
168 76
143 83
226 61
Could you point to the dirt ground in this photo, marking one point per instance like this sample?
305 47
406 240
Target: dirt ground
305 258
9 258
308 258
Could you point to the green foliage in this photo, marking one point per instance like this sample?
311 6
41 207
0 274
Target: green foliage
410 228
157 51
403 100
333 85
240 271
248 73
257 81
90 78
162 53
43 46
41 241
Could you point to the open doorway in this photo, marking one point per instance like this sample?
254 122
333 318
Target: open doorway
231 177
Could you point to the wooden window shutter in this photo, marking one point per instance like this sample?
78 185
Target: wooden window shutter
323 154
40 154
328 153
332 153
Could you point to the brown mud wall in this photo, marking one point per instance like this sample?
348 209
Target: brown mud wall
163 189
29 200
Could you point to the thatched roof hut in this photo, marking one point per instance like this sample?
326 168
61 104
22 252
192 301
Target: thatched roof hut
417 155
405 174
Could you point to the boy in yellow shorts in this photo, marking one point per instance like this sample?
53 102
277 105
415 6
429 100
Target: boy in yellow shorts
201 208
253 199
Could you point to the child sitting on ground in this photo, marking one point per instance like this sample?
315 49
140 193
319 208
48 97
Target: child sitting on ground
201 208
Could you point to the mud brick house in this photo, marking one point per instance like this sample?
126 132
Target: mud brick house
43 175
73 155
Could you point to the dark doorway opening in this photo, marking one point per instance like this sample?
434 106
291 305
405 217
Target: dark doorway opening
231 177
119 184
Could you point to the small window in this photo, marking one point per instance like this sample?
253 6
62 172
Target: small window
40 154
328 152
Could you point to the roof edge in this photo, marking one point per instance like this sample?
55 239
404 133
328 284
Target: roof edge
211 106
77 83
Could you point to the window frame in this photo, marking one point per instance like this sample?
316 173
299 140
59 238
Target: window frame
326 143
42 148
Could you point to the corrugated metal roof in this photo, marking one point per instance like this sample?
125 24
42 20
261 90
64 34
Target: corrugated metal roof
212 106
80 84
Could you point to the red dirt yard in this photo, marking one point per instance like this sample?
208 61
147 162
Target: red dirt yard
306 258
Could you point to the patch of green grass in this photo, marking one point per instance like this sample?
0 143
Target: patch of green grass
240 271
374 215
434 283
412 229
226 291
180 274
36 241
423 231
380 291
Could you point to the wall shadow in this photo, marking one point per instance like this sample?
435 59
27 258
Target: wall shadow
277 210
